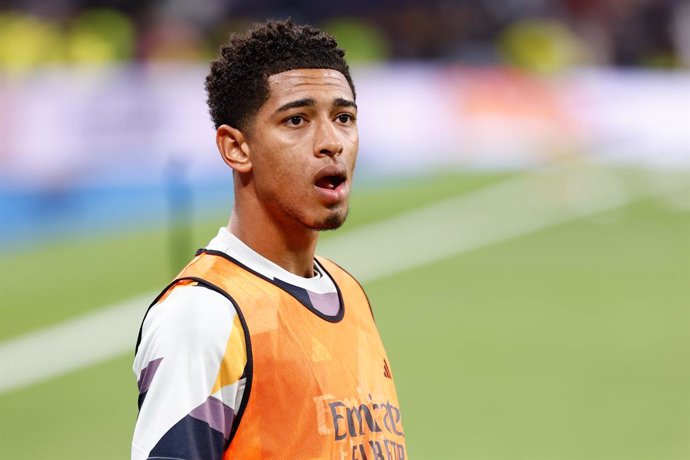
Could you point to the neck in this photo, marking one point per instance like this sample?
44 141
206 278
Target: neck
291 247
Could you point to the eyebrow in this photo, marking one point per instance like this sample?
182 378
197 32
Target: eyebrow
308 102
340 102
296 104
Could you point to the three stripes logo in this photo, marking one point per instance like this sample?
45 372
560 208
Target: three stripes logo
386 370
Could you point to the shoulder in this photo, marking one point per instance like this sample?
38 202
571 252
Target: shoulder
346 282
189 307
337 272
330 266
190 317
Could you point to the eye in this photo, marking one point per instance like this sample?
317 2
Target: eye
345 118
295 120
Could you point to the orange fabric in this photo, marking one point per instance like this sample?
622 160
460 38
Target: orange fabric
170 289
319 389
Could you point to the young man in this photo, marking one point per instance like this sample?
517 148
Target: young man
259 349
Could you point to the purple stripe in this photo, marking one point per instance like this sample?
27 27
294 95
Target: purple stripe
147 374
328 303
216 414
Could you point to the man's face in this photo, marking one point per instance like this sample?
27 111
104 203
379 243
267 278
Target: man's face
303 143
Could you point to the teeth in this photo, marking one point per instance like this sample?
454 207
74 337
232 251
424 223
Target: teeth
330 182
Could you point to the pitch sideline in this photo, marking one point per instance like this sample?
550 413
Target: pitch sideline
508 210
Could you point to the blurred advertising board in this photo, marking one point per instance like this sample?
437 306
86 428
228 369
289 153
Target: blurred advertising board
127 124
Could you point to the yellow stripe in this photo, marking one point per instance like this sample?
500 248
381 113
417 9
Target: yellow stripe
234 359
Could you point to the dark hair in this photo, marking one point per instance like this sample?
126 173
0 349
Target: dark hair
237 85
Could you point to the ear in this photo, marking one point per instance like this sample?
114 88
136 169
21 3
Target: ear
233 148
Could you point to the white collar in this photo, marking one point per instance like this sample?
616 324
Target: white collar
228 243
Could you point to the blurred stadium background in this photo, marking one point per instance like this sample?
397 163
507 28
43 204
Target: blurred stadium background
521 217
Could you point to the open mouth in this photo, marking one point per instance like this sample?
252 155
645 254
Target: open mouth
330 182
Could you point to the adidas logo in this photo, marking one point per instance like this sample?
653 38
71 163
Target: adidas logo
386 369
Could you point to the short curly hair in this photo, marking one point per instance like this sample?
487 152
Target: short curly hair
237 85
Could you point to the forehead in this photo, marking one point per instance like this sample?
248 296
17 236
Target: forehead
301 83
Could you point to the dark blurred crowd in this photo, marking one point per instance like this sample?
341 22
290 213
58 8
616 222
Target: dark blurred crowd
539 35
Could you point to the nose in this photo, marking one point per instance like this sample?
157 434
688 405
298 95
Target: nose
327 142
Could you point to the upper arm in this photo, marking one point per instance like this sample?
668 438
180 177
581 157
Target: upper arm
187 403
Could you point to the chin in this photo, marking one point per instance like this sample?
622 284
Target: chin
331 222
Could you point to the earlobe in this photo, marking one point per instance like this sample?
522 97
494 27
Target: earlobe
233 148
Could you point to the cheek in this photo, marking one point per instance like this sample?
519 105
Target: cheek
353 142
351 138
280 167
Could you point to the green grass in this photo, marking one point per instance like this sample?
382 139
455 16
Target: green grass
84 415
570 343
58 281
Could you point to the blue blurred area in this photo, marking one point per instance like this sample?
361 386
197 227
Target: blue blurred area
28 216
